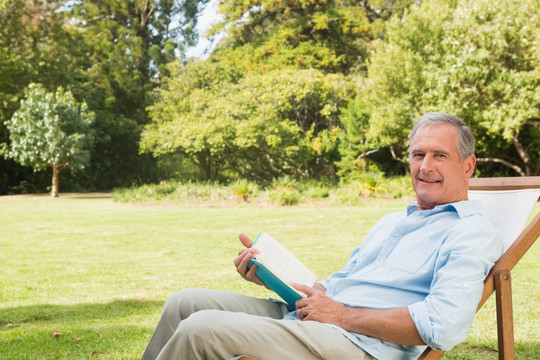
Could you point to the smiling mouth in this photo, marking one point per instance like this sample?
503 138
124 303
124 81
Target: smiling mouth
430 181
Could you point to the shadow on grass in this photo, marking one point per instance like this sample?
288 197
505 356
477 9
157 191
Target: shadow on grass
121 329
115 330
16 316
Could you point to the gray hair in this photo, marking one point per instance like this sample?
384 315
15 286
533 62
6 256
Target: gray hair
465 142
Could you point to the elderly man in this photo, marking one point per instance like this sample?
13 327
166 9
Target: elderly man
414 281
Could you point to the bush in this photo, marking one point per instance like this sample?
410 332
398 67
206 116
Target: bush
399 187
283 191
349 194
244 189
172 190
318 192
285 196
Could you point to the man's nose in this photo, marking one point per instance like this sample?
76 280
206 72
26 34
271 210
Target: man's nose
427 163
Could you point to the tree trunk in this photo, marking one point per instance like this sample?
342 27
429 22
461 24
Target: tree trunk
56 171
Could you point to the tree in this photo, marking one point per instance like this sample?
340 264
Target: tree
327 35
267 102
128 44
353 145
478 59
35 46
258 126
50 130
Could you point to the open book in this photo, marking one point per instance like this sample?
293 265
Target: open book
277 267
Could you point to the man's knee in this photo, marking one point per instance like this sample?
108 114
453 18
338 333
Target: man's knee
184 302
202 321
206 328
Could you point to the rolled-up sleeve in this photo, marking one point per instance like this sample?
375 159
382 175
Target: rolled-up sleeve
444 317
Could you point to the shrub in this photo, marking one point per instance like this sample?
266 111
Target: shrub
244 189
284 191
372 181
399 187
318 192
285 196
349 194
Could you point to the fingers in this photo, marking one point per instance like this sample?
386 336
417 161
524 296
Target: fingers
305 306
309 291
303 311
242 261
245 240
244 255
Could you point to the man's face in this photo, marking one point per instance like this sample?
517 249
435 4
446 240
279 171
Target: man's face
438 177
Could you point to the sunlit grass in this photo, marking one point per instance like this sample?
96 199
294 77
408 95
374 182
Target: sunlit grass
86 277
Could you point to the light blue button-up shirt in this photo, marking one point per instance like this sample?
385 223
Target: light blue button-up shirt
432 261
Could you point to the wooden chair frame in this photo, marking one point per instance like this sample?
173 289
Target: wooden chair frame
499 278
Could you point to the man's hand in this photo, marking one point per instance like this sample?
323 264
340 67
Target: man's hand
242 260
393 325
317 306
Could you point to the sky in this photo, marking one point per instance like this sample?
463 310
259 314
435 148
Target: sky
208 17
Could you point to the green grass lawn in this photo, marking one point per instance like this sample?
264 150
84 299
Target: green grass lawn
85 278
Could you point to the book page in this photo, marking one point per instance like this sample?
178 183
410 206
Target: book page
282 261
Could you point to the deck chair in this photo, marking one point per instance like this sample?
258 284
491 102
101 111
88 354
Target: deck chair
507 203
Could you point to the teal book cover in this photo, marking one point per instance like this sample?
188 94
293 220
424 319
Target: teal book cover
277 267
284 290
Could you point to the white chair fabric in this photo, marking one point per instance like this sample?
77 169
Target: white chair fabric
508 210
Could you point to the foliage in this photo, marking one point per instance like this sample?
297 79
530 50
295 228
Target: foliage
111 54
292 59
284 196
259 126
328 35
244 189
174 190
317 190
354 143
50 130
285 91
35 46
476 59
283 191
128 45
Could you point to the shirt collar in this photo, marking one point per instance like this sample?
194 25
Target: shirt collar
463 208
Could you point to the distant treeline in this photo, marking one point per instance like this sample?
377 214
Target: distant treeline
313 90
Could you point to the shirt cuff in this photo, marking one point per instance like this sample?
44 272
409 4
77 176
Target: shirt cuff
420 317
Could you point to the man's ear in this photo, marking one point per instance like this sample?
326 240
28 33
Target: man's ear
469 165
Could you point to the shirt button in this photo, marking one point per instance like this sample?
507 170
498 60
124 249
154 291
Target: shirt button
395 234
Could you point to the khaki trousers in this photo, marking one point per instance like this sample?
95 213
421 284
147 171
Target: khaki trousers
211 324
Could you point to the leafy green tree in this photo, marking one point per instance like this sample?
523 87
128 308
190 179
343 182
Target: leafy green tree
328 35
478 59
35 46
259 126
50 130
354 146
267 101
128 44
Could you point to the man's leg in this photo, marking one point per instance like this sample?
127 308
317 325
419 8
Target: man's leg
216 334
183 303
